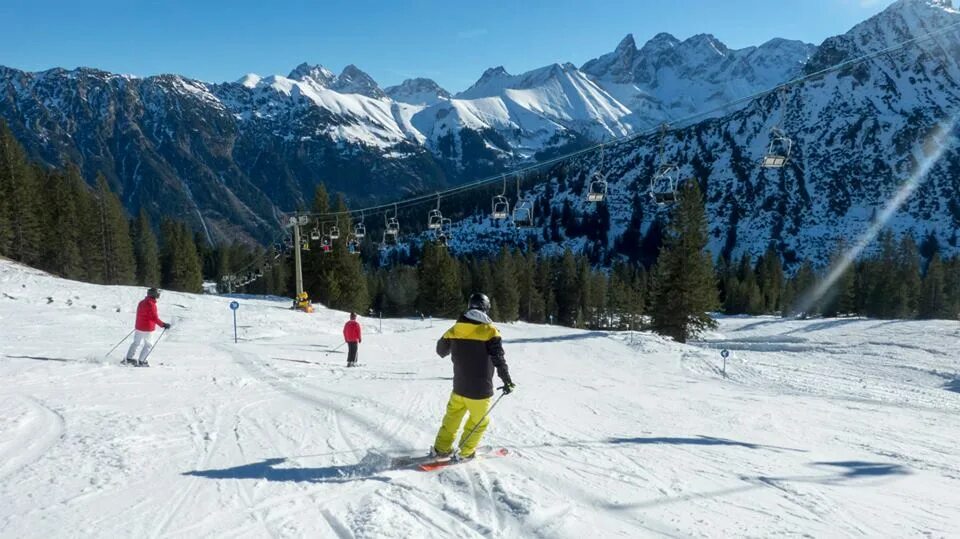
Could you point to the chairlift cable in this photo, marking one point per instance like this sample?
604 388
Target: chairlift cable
415 200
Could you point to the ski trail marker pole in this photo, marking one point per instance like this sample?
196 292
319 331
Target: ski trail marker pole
119 343
233 307
477 426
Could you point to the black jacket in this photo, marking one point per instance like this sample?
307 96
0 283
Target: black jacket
477 349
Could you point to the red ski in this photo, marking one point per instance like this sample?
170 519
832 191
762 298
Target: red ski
443 463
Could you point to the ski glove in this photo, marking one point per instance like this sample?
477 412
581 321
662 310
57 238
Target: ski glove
508 388
166 325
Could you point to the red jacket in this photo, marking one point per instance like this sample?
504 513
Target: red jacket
351 331
147 317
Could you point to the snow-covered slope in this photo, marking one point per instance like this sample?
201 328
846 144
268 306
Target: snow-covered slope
821 428
668 78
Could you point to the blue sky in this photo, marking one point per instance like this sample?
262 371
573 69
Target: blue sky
449 41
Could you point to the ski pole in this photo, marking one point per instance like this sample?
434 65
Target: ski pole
154 347
119 343
335 349
477 426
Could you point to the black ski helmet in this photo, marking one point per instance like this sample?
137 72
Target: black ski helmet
153 293
479 301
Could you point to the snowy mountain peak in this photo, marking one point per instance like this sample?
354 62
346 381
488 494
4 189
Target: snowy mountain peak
250 80
419 91
627 45
312 73
353 80
705 43
659 43
902 20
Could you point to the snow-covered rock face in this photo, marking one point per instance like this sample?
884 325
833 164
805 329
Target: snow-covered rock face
860 135
668 79
419 91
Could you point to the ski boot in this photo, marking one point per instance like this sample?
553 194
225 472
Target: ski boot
435 453
457 457
142 364
129 361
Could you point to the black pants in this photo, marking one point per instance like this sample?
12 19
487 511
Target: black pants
351 353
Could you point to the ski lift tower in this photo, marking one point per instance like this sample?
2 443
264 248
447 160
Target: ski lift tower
295 222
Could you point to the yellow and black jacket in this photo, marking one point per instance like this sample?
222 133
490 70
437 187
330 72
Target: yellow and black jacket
477 350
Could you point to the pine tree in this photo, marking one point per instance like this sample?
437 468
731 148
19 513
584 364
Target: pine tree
180 267
884 297
770 276
61 246
318 273
908 277
346 268
20 206
684 288
951 287
119 266
802 286
91 244
147 252
933 299
443 296
752 298
567 295
505 293
841 297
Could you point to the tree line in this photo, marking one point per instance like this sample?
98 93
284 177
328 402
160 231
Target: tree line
52 219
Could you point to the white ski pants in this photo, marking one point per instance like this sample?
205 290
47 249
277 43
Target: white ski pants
141 337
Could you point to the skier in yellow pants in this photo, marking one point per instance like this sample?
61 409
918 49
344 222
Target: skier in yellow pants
477 350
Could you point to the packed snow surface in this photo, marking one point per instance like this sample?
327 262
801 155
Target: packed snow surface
822 428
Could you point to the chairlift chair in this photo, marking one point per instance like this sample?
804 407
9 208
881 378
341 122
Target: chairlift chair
598 189
334 232
663 186
779 150
393 227
315 234
353 246
359 231
433 219
326 244
501 207
523 215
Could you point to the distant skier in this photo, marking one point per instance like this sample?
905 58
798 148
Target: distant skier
147 322
352 335
477 350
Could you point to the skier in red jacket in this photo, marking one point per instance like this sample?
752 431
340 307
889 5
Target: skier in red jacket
351 334
147 322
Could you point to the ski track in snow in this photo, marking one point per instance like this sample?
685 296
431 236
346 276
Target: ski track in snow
821 427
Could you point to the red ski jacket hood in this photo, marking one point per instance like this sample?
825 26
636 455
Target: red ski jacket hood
351 331
147 317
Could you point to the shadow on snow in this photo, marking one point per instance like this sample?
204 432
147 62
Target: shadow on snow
269 469
561 338
839 473
699 440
